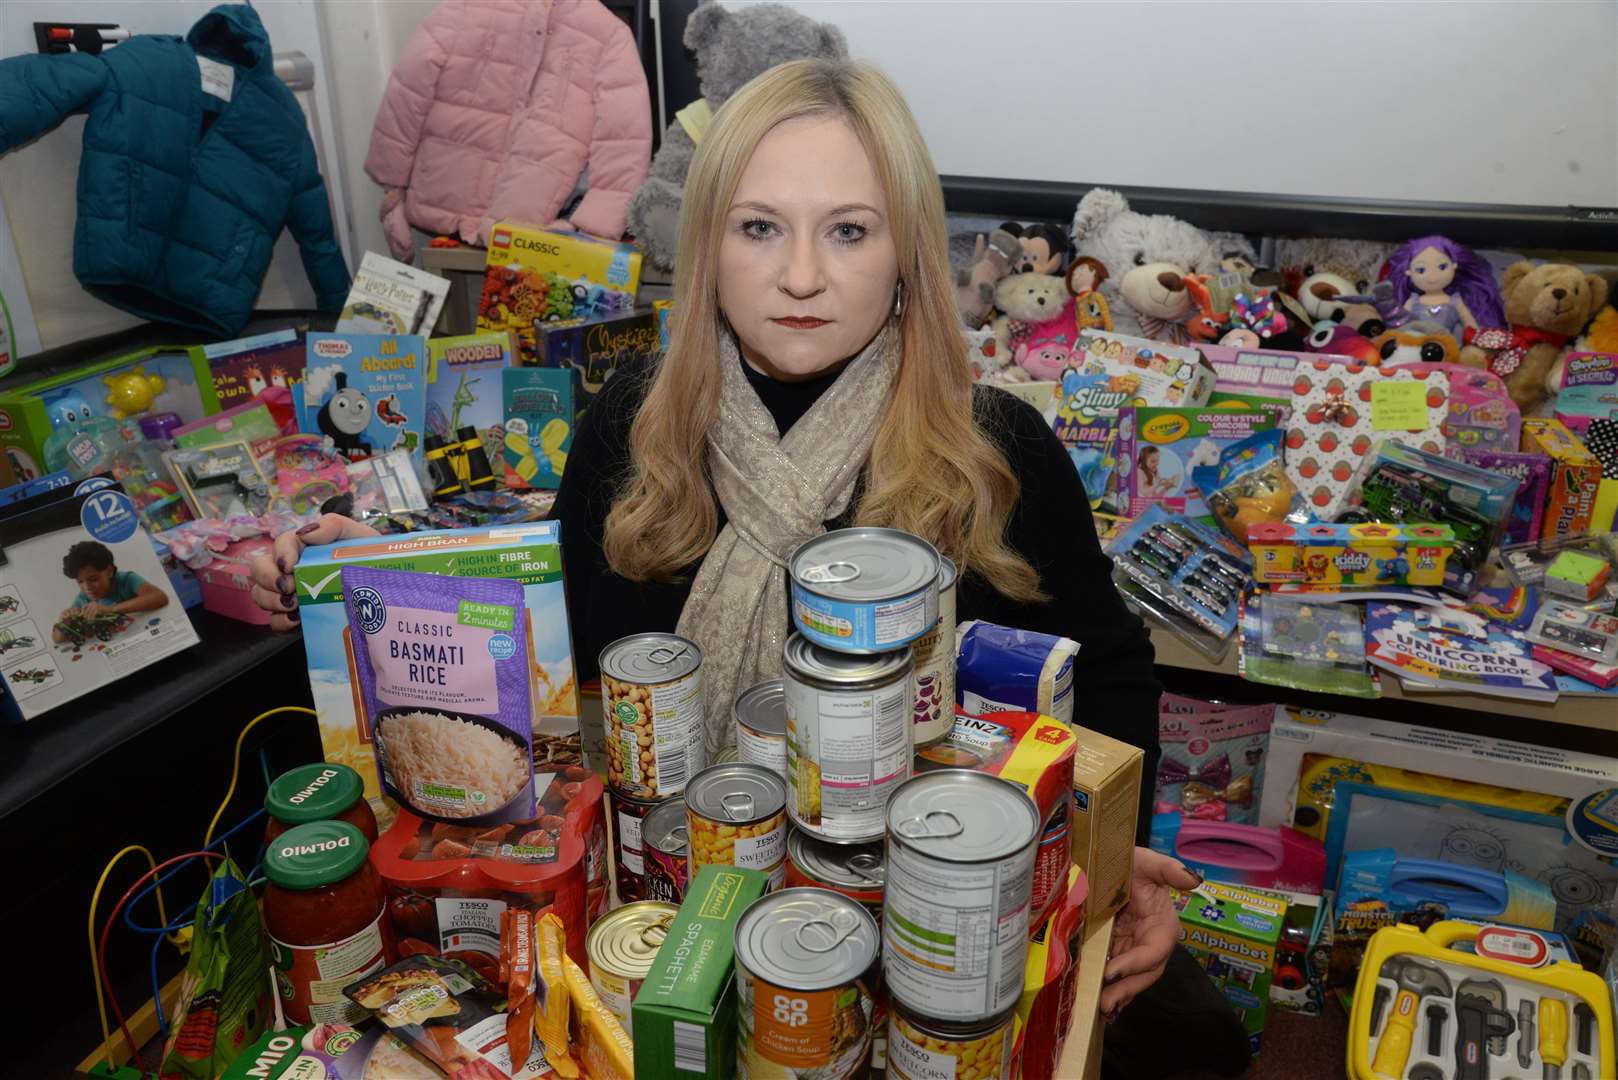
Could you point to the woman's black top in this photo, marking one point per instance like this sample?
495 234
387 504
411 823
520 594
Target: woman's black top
1114 689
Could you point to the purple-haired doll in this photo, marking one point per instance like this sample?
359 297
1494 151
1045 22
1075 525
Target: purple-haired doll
1440 281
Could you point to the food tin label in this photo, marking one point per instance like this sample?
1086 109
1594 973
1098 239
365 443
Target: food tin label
629 849
617 993
917 1055
826 1030
468 924
869 899
310 978
761 846
654 734
846 752
863 627
955 935
933 713
765 751
667 874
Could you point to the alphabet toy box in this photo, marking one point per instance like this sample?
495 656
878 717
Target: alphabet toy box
1350 555
536 275
152 380
64 635
530 554
1233 933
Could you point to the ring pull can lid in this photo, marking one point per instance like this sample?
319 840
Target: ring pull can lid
832 573
830 935
921 827
864 866
680 834
738 805
665 655
654 934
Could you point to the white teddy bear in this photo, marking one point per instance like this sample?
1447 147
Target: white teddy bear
1147 257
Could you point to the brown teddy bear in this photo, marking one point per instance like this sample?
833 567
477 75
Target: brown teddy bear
1547 306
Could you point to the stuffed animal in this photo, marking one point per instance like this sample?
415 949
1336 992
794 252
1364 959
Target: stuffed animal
1206 323
1035 323
1602 336
1155 252
1044 247
1357 261
1084 277
1413 342
974 285
731 47
1546 307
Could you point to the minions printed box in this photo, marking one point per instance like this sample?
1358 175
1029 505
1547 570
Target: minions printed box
365 392
32 407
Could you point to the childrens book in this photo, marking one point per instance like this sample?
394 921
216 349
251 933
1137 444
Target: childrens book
388 297
243 369
463 384
367 393
1449 647
539 426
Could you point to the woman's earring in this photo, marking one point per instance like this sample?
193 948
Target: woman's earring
898 299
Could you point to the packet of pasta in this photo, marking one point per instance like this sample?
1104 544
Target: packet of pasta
552 1017
603 1043
517 971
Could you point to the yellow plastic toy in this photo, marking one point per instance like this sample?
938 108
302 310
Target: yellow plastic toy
131 392
1417 992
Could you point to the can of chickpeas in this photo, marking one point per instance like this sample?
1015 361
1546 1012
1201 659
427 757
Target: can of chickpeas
923 1049
629 845
651 700
663 850
736 816
933 707
761 726
621 947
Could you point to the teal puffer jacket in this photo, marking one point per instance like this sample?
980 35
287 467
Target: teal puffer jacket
195 156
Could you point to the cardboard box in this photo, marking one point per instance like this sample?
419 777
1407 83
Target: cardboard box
1575 476
27 406
1360 555
1106 802
538 276
45 662
685 1011
1234 933
531 554
1175 440
593 349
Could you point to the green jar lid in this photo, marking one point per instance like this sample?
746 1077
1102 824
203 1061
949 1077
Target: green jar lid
317 854
315 792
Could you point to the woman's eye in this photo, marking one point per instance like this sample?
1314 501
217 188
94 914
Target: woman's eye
847 232
757 229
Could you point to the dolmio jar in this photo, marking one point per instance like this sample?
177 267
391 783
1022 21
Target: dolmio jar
324 791
323 910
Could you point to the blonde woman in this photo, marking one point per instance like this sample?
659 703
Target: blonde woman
816 377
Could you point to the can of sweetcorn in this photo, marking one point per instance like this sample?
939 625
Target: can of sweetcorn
920 1048
736 816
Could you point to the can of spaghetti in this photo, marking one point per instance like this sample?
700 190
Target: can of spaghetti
920 1048
736 816
629 844
855 870
663 850
651 701
848 738
803 1003
621 946
960 868
864 590
761 726
933 711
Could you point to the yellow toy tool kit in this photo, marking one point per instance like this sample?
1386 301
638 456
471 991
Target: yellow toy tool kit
1466 1001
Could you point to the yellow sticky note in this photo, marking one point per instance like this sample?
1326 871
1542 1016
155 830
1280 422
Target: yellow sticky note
1398 405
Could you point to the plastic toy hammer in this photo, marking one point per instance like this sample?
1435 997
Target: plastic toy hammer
1415 981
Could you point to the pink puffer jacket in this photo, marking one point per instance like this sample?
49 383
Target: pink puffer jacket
495 109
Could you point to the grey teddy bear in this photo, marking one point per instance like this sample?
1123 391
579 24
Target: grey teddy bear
731 47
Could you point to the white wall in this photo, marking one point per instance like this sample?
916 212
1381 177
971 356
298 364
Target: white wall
1502 102
37 181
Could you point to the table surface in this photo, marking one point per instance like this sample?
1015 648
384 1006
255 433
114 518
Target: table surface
44 752
1590 712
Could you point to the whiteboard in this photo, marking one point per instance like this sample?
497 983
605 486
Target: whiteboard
38 180
1512 102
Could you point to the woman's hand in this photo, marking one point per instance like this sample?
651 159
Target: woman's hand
274 589
1145 930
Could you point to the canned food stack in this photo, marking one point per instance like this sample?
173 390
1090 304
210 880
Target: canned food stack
652 716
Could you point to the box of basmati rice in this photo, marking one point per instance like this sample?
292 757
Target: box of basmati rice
529 554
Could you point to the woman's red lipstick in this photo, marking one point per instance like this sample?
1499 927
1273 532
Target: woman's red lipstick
801 323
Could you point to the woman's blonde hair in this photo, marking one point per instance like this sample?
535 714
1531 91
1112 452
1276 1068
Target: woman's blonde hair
932 471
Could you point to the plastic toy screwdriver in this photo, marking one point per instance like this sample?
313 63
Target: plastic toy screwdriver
1415 980
1552 1036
